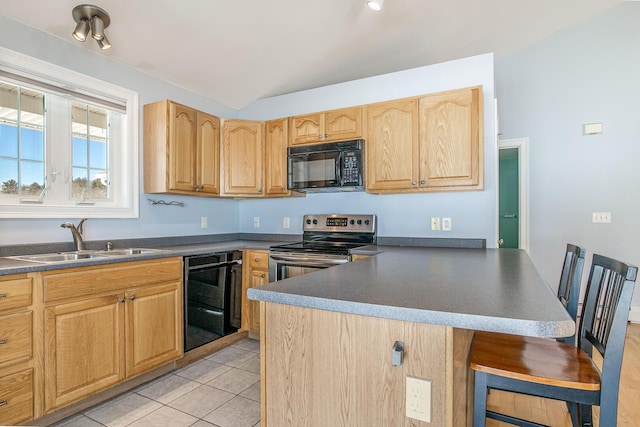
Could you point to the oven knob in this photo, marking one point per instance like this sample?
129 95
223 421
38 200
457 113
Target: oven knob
352 222
359 222
308 221
366 222
315 221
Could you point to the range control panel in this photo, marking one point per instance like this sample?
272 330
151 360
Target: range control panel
340 223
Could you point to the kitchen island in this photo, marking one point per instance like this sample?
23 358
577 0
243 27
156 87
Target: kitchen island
327 336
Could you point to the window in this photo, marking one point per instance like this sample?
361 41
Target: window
68 143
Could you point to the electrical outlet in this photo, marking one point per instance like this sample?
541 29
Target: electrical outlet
446 224
435 223
203 222
601 217
286 222
256 222
418 399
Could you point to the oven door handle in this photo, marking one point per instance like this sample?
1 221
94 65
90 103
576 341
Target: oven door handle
309 261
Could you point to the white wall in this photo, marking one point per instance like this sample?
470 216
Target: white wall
546 92
154 220
473 214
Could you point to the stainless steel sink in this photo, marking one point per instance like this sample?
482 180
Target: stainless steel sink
84 255
59 257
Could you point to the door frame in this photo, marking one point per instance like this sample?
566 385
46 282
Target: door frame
522 144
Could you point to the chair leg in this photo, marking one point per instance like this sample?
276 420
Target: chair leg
572 407
480 400
586 418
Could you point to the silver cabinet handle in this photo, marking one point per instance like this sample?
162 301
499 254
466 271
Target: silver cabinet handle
3 403
326 135
413 183
423 182
263 275
3 296
259 190
132 297
122 300
320 136
195 187
3 341
397 353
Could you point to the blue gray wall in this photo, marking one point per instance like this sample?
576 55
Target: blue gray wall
546 92
473 214
154 220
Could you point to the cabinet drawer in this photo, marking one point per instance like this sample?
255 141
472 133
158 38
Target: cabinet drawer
113 277
15 337
258 259
15 293
16 397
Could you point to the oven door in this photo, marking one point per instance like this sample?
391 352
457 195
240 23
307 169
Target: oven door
320 169
283 265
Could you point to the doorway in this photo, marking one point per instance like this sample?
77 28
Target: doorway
513 195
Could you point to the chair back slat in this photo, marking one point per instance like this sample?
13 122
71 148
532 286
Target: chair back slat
603 301
571 278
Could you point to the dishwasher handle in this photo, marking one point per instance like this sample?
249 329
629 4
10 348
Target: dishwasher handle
213 265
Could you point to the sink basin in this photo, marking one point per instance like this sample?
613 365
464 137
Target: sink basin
60 257
84 255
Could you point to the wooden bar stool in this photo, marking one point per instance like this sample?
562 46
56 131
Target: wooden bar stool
560 370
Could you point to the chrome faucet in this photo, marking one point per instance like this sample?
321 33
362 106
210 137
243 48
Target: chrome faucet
76 232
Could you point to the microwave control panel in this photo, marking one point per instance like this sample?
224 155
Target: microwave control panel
351 168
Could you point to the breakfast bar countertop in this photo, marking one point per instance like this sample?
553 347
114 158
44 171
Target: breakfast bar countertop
495 290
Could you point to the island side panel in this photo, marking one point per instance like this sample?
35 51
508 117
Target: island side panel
328 368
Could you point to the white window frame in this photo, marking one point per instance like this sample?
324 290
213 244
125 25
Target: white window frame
123 157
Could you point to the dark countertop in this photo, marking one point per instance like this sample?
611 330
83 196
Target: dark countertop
13 266
495 290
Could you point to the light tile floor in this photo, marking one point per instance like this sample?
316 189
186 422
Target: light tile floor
220 390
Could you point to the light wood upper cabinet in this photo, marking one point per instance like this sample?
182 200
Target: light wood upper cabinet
430 143
208 154
391 148
334 125
181 150
450 138
276 141
242 157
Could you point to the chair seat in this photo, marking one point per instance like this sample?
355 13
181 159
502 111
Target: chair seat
536 360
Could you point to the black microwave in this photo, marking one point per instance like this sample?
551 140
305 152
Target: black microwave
328 167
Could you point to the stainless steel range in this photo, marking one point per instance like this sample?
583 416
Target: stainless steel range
326 241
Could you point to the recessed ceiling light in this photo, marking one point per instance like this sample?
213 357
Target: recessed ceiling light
375 5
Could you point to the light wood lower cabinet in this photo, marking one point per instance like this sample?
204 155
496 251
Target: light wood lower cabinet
19 342
129 324
255 272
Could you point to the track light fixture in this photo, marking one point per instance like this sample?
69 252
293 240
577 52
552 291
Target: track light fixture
375 5
92 19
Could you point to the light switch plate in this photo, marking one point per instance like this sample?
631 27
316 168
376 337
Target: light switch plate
435 223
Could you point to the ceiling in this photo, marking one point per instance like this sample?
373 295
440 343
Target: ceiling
238 51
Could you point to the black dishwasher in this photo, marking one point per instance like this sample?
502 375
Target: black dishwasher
212 297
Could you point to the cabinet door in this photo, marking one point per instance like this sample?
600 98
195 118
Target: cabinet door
243 157
258 278
306 129
343 124
84 348
450 138
392 145
182 148
154 326
208 159
276 137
